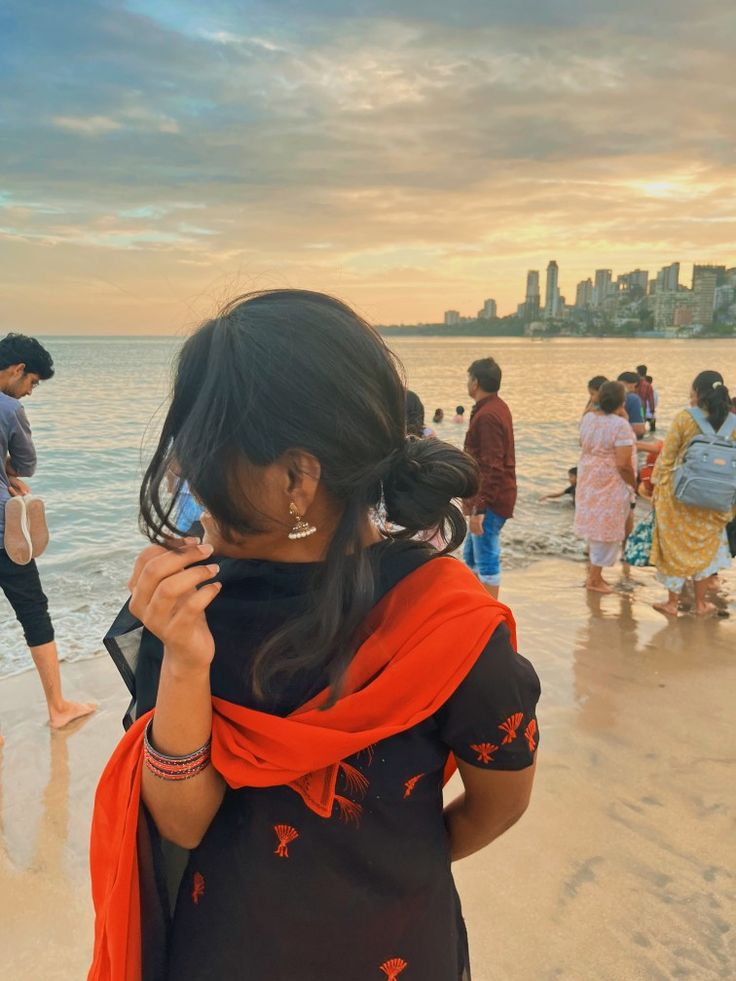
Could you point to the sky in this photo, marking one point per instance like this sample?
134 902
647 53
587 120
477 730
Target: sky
158 157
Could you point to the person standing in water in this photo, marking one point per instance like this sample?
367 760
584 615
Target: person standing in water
690 542
490 441
594 387
646 396
24 363
606 482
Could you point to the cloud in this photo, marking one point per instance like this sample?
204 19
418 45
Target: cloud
86 125
351 145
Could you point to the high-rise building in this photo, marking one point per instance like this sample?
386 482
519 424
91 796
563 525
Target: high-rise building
668 277
584 294
489 311
602 286
725 296
532 298
636 281
552 291
705 281
673 308
452 317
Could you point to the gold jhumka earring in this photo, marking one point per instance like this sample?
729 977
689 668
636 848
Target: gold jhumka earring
302 528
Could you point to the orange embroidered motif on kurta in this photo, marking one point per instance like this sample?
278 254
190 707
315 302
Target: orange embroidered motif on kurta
197 887
393 968
411 784
510 727
318 790
485 751
530 732
286 834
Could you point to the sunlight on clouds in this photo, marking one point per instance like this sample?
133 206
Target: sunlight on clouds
676 189
412 158
87 125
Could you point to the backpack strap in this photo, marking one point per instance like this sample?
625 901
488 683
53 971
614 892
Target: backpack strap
726 430
728 427
701 420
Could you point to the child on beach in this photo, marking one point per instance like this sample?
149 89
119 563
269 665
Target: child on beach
572 476
459 417
310 675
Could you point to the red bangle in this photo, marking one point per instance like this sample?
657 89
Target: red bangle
167 767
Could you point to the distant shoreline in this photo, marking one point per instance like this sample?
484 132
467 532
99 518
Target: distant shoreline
441 331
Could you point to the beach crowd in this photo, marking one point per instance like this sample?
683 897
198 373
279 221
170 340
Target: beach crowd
307 659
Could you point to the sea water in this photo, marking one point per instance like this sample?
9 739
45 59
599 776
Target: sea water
96 422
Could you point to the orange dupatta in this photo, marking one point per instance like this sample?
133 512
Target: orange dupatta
426 635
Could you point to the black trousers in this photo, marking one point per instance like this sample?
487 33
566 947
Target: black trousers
22 587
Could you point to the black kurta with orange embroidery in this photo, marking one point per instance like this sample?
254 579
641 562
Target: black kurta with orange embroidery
276 891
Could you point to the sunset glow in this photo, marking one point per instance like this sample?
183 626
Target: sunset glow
161 155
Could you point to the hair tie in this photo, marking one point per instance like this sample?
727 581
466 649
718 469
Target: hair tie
717 384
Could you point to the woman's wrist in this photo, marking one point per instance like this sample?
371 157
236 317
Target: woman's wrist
180 667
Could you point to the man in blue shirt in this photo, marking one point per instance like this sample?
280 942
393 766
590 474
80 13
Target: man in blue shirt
634 408
24 363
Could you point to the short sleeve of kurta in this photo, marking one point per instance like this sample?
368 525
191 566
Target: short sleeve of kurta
490 721
624 434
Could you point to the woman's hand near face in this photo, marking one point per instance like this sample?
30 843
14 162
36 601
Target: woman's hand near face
166 599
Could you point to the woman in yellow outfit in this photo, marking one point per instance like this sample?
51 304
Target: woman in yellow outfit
689 542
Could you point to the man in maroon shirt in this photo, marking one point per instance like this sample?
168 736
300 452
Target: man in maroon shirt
646 393
490 441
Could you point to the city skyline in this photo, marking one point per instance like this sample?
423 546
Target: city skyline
160 156
605 284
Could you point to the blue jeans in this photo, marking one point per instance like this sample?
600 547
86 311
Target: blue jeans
482 553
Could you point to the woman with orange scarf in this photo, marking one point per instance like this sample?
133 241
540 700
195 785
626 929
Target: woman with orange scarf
303 683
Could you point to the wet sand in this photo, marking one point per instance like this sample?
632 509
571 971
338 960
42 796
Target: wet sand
623 868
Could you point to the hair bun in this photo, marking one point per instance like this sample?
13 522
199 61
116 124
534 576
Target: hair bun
423 478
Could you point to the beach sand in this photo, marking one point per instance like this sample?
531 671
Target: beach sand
624 866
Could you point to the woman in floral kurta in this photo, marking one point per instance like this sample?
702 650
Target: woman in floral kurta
605 488
688 542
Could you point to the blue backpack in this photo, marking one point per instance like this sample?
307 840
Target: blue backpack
706 475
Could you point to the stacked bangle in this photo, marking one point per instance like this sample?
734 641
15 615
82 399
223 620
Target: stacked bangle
174 767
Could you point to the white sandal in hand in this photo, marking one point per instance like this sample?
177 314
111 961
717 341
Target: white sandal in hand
18 544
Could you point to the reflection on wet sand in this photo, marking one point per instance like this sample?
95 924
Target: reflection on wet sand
622 869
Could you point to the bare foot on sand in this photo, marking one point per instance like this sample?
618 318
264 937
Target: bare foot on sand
704 610
669 609
598 587
58 718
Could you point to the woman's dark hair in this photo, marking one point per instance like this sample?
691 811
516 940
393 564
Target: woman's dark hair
641 370
611 396
595 383
276 371
573 471
460 410
19 349
713 397
487 373
414 414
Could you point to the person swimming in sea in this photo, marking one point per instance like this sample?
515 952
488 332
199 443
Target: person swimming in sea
572 476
